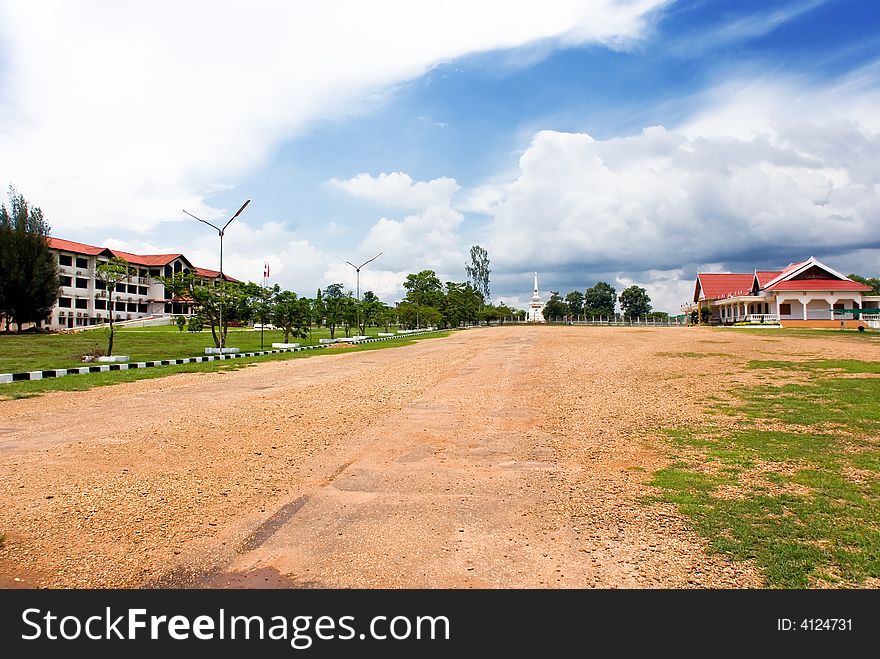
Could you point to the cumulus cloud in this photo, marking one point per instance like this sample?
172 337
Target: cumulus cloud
119 114
766 173
398 190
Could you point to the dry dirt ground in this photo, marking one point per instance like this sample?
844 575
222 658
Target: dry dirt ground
499 458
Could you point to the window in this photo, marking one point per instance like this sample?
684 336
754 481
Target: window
142 273
82 303
82 263
154 272
82 283
132 288
142 290
142 308
100 285
100 304
839 305
784 309
132 306
120 306
67 281
64 302
64 259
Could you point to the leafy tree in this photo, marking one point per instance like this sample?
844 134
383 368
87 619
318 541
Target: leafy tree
111 273
387 317
29 277
319 309
424 291
461 304
555 307
291 314
264 307
334 307
371 307
181 323
490 314
196 323
873 282
503 312
413 316
600 300
478 272
575 302
235 299
635 302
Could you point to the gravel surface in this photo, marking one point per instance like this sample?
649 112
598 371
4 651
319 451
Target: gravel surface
501 457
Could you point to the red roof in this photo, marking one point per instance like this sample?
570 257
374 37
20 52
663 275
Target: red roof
715 286
818 285
146 259
211 274
766 275
78 248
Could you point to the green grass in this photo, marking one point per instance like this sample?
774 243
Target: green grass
802 500
27 389
32 352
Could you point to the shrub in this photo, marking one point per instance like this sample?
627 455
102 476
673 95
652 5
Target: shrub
181 322
196 324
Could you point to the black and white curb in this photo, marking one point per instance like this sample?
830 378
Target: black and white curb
104 368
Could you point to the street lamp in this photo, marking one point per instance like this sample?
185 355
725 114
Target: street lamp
220 232
357 269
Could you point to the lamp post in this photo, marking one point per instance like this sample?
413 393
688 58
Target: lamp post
357 269
220 232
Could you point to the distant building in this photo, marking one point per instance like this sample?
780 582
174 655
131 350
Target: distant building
536 309
804 294
82 300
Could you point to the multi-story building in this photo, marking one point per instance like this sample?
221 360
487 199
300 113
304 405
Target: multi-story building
83 298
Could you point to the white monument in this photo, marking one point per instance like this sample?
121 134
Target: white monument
535 308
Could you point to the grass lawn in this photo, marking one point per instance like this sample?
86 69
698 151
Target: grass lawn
27 389
32 352
794 486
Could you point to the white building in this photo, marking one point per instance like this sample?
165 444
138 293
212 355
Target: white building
804 294
83 299
536 309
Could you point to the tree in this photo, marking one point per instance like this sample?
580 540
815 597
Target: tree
29 277
555 307
387 317
575 302
478 272
873 282
635 302
237 300
111 273
264 307
334 308
424 290
292 315
600 300
461 304
371 307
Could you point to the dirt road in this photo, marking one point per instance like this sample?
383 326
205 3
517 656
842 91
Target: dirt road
502 457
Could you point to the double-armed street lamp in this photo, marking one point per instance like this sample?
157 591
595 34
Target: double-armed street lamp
357 269
220 232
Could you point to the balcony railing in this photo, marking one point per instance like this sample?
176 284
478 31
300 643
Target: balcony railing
760 318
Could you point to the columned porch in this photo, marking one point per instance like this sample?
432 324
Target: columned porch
746 308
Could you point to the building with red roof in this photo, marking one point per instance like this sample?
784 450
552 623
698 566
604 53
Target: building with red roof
803 294
83 300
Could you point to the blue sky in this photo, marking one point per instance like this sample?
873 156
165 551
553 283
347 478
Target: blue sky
635 142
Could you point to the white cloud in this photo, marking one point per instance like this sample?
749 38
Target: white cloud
398 190
767 172
120 114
